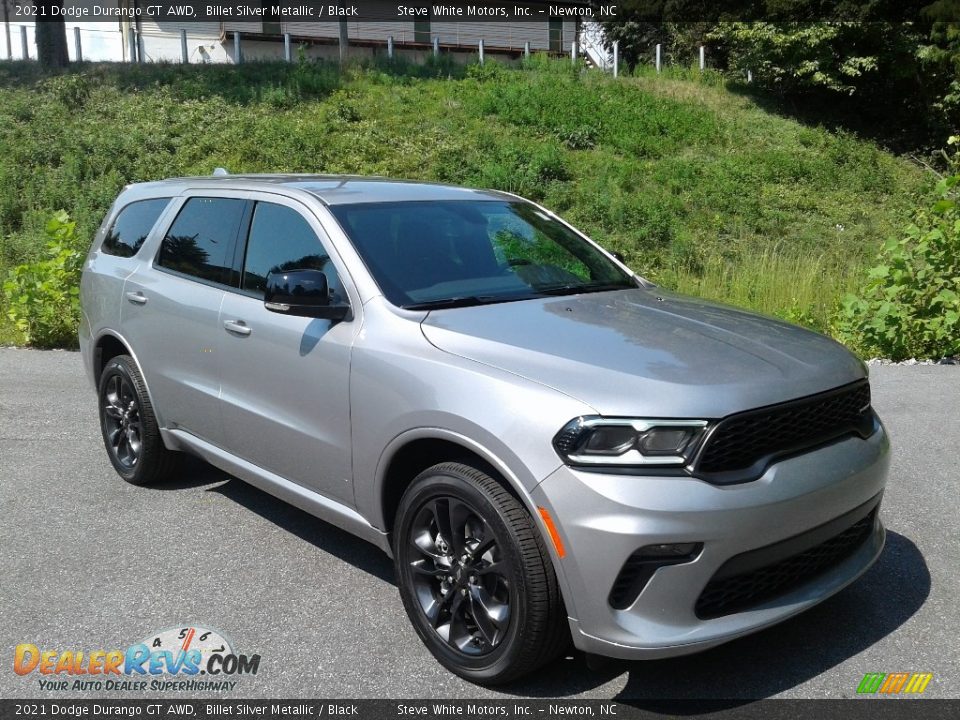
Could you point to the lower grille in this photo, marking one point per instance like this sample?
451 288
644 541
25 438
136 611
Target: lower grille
752 578
641 566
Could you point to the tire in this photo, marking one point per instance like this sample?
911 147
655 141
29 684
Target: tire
129 427
498 614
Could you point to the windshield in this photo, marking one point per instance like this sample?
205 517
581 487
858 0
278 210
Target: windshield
472 252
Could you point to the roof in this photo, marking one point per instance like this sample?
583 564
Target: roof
336 189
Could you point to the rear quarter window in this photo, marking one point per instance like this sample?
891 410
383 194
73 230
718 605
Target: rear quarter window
131 227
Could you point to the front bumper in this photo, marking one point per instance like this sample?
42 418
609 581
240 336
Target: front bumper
602 519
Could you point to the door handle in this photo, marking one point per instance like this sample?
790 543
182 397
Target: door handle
236 326
138 298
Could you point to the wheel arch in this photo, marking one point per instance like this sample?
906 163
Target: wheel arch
414 451
108 345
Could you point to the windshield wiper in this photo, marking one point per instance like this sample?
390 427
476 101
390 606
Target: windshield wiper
472 300
460 301
571 289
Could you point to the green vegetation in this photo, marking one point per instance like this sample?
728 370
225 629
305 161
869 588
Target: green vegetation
44 295
911 304
698 187
886 68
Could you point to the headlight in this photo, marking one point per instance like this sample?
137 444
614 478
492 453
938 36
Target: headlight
626 442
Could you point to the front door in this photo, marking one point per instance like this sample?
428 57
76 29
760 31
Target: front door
285 380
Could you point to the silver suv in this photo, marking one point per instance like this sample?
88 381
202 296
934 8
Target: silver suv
549 446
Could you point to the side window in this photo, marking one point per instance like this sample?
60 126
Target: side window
281 239
201 240
132 226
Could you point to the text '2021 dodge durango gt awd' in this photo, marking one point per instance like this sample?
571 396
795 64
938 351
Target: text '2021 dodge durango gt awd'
548 445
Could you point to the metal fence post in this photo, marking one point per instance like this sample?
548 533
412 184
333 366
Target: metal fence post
237 52
616 58
132 44
703 58
287 49
76 44
480 48
658 63
184 52
25 48
749 76
436 46
573 52
390 47
526 50
344 40
141 48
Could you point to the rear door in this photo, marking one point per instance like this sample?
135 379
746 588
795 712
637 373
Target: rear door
285 380
171 309
114 256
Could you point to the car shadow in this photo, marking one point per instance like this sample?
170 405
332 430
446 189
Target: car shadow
768 662
195 473
754 667
319 533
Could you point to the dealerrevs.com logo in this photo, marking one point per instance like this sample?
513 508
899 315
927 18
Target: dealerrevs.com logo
183 658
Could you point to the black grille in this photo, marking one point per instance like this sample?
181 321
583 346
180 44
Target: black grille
631 580
744 443
740 584
637 571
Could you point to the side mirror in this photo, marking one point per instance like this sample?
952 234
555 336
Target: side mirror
303 293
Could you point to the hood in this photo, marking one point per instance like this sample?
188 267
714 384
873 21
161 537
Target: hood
647 352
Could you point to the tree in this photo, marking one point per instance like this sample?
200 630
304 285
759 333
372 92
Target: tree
837 61
7 5
51 35
679 25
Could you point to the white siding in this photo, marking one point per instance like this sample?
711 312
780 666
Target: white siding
502 35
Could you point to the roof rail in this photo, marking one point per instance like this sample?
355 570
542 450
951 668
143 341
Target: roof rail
220 172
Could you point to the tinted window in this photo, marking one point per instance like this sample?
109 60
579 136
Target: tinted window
132 226
474 252
201 240
281 239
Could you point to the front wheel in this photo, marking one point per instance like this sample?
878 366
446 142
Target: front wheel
475 577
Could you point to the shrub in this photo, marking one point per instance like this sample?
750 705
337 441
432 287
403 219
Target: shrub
43 297
910 306
527 168
486 72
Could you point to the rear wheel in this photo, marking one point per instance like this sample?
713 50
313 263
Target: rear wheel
475 577
129 427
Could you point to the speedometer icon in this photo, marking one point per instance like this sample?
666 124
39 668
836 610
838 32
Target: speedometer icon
181 640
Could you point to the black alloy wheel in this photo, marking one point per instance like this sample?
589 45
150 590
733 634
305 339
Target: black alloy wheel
460 577
130 431
122 428
475 577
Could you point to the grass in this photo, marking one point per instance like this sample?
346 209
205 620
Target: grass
798 289
696 185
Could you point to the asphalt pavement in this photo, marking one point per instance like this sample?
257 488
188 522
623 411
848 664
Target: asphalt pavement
89 562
